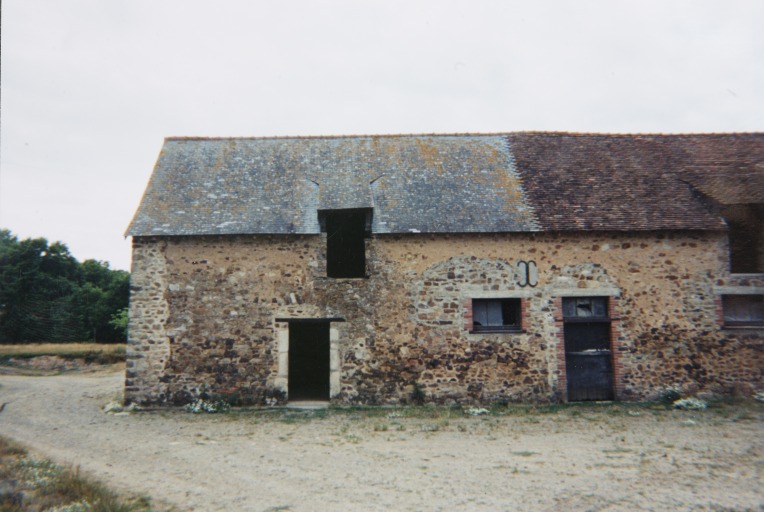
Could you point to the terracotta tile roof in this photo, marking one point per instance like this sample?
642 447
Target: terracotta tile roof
727 168
451 183
635 182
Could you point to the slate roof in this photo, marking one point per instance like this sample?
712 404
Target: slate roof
516 182
432 184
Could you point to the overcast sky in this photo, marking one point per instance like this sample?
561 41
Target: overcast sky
90 88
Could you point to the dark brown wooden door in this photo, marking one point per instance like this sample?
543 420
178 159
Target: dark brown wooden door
588 356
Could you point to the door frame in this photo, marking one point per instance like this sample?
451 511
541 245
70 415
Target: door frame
281 381
617 336
308 360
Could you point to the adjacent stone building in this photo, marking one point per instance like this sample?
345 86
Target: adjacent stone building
448 268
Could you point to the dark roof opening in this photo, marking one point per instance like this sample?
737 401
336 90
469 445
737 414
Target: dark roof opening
746 241
346 231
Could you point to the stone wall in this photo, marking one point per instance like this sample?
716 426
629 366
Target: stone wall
148 350
204 310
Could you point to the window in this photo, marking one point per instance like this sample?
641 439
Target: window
345 242
584 307
743 310
496 315
746 242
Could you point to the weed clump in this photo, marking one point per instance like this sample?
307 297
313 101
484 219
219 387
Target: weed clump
690 404
31 483
201 406
417 395
670 394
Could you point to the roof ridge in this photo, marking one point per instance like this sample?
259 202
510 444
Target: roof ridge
467 134
343 136
635 134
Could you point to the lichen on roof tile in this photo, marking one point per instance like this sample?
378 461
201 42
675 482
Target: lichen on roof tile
422 183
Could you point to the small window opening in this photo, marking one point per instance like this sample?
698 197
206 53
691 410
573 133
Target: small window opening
746 239
585 307
496 315
743 310
346 231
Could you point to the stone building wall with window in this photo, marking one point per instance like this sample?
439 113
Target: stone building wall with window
409 327
454 269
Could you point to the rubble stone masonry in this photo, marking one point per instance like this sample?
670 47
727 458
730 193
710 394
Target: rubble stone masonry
204 310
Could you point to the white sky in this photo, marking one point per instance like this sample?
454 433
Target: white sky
90 88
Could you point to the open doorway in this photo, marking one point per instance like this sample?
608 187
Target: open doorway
308 360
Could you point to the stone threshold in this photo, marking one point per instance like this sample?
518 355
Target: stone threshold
307 405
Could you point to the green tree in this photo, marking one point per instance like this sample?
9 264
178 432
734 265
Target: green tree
119 322
36 283
47 295
103 293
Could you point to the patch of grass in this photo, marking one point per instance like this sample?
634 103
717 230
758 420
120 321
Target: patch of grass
31 483
101 353
430 418
530 412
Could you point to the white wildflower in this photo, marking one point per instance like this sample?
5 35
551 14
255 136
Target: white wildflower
206 406
690 404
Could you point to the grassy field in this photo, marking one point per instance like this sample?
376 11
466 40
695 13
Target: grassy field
32 483
103 353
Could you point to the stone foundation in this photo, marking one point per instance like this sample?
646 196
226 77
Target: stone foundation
204 310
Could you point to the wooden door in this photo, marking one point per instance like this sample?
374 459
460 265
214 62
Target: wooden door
588 354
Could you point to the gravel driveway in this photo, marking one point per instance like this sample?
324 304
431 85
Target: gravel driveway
571 460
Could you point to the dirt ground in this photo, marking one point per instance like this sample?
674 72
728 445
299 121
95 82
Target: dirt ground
623 458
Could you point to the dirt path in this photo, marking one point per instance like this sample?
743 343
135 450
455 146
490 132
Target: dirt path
566 461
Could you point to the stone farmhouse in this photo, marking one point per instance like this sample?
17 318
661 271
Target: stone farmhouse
519 267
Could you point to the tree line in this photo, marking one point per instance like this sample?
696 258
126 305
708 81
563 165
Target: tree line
47 295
